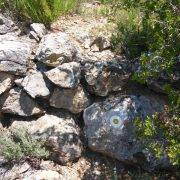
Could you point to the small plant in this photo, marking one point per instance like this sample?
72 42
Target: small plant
160 134
18 144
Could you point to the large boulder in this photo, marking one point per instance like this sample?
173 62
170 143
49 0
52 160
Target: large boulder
19 103
66 75
74 100
34 84
105 77
109 125
60 133
14 56
56 48
6 81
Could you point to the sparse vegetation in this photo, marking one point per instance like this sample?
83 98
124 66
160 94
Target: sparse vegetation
147 30
150 31
18 144
44 11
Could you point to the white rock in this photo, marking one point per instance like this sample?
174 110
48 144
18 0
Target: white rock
35 85
6 81
39 29
19 103
66 75
74 100
14 56
55 49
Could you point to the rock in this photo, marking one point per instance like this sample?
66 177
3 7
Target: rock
14 172
2 159
60 133
6 25
109 125
67 172
66 75
42 174
19 103
14 56
19 81
100 43
6 81
33 35
105 77
74 100
39 29
8 37
55 49
35 85
92 57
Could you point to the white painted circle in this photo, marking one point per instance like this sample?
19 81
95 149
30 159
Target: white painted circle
116 122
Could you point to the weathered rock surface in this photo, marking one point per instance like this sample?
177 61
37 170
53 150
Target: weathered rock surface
35 85
6 25
39 29
60 132
14 56
109 125
42 174
48 171
66 75
6 82
105 77
56 48
16 172
74 100
19 103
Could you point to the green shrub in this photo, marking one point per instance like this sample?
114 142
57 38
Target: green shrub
18 144
129 38
44 11
154 38
160 134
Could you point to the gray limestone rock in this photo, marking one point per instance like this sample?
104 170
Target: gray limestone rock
55 49
19 103
105 77
109 125
6 82
74 100
66 75
14 56
34 84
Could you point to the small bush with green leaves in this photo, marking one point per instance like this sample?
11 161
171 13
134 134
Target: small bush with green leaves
160 134
44 11
18 144
154 37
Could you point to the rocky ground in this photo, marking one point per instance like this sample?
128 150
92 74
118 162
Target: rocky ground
66 86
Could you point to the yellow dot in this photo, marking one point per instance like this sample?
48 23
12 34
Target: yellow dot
115 121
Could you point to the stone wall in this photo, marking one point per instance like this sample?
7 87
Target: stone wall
61 89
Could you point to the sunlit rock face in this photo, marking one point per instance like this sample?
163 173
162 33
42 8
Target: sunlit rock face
14 57
109 125
55 49
104 77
